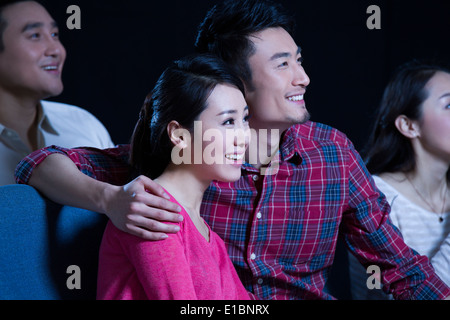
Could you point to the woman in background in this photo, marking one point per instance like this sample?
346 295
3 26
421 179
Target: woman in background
409 156
193 263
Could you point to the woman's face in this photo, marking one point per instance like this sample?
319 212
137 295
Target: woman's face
435 123
219 152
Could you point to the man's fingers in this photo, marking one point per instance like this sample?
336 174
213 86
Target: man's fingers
152 187
157 208
146 235
156 220
154 196
151 229
158 227
160 204
163 215
148 212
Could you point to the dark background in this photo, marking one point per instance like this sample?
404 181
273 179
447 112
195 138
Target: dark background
123 46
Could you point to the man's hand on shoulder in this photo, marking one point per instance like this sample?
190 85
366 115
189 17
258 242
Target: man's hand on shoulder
141 208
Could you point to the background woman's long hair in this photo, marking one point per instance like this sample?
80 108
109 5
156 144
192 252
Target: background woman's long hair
388 150
180 94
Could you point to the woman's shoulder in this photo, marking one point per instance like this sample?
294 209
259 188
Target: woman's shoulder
397 189
388 186
113 234
394 182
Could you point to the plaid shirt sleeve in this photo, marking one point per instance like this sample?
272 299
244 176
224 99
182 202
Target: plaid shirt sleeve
110 165
374 240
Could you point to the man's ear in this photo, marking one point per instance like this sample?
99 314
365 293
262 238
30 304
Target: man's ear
407 127
177 134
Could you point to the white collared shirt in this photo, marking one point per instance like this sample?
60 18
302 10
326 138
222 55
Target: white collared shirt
59 124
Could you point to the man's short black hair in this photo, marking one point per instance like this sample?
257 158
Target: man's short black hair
3 22
227 26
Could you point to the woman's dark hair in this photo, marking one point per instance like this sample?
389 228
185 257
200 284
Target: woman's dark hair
388 150
180 94
227 26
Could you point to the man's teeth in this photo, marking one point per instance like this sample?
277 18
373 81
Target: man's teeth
296 98
234 156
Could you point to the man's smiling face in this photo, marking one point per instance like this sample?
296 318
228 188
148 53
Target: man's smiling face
33 57
276 92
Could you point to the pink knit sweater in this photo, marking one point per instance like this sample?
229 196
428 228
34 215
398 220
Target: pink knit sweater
183 267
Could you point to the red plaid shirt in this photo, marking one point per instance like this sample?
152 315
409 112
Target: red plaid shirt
281 229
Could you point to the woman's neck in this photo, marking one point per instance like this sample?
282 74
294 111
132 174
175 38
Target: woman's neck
430 171
426 185
188 190
185 187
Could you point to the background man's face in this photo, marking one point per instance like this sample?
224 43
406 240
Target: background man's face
32 61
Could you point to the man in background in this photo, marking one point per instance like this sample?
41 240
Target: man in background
31 63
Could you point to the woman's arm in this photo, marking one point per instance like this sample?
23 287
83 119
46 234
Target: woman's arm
164 271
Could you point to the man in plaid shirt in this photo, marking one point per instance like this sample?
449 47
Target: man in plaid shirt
280 221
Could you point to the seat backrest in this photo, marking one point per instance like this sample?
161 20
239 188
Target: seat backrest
47 251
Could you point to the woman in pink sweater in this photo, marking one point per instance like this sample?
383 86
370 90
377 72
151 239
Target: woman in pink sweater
195 101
